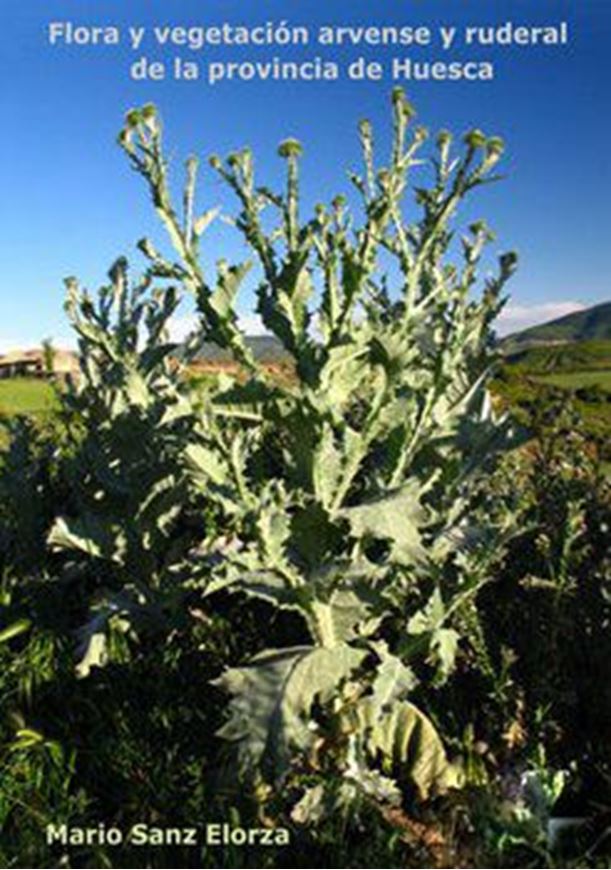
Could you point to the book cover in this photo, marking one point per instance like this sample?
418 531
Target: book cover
305 403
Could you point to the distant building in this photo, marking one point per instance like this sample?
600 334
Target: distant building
31 364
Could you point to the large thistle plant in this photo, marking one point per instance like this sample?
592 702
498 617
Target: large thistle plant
349 491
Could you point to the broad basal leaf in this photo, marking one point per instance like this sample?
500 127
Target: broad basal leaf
272 699
407 744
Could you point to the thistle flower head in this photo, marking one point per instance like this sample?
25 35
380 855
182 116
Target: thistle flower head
365 128
421 134
290 148
444 139
398 94
478 227
475 139
132 118
508 262
125 138
402 104
495 146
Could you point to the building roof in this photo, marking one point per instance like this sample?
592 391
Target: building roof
34 355
18 356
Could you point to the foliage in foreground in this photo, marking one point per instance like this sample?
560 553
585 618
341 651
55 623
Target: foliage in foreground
290 603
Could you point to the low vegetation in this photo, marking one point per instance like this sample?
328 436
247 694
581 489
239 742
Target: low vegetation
30 396
577 375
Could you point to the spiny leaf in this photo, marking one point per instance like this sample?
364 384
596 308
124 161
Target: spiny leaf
393 681
396 517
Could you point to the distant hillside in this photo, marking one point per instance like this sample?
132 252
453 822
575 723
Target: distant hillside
265 348
572 356
592 323
559 362
588 325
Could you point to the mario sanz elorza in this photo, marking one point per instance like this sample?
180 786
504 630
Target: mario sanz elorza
211 834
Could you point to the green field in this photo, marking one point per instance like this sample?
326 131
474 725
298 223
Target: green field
579 371
577 380
26 396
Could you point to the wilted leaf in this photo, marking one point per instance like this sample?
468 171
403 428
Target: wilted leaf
406 742
272 699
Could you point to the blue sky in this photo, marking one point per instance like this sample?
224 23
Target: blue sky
70 203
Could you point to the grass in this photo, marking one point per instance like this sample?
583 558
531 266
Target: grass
580 371
572 357
26 396
578 380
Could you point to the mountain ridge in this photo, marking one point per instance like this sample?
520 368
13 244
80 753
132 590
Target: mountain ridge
587 324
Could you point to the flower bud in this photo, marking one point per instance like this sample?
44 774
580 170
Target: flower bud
290 148
398 95
478 227
148 116
475 139
444 138
495 146
132 118
400 102
125 138
508 263
365 128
